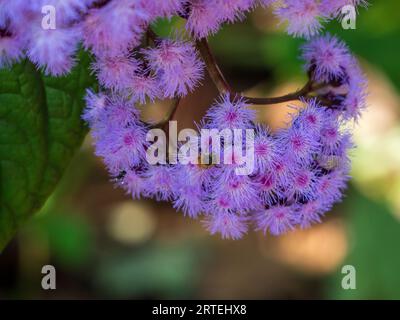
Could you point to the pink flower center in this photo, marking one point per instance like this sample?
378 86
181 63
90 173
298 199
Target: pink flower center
261 149
267 181
223 203
234 184
302 180
331 133
312 119
280 215
128 140
231 116
297 143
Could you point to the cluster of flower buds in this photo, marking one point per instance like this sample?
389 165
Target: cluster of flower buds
300 171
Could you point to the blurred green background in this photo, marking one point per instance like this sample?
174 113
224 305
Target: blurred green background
105 245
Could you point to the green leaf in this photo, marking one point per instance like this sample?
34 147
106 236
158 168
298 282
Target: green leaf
374 237
167 270
40 130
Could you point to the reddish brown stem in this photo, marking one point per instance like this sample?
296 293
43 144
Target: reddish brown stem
212 66
223 86
303 92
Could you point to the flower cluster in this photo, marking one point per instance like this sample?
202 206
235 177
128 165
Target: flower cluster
300 171
114 29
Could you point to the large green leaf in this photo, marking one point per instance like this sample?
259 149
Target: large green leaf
40 129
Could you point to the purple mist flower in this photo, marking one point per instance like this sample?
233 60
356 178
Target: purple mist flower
329 61
176 65
115 72
16 13
354 103
269 189
53 50
95 106
68 11
114 28
121 147
190 198
119 136
311 118
230 113
241 190
310 213
203 19
265 149
119 112
163 8
133 183
282 171
160 182
229 225
232 10
11 49
303 17
330 135
144 87
218 203
191 188
303 183
330 186
275 220
299 145
327 56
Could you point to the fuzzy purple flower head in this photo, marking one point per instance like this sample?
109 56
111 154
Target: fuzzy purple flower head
298 172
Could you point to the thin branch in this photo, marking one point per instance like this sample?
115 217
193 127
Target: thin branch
303 92
223 86
214 71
